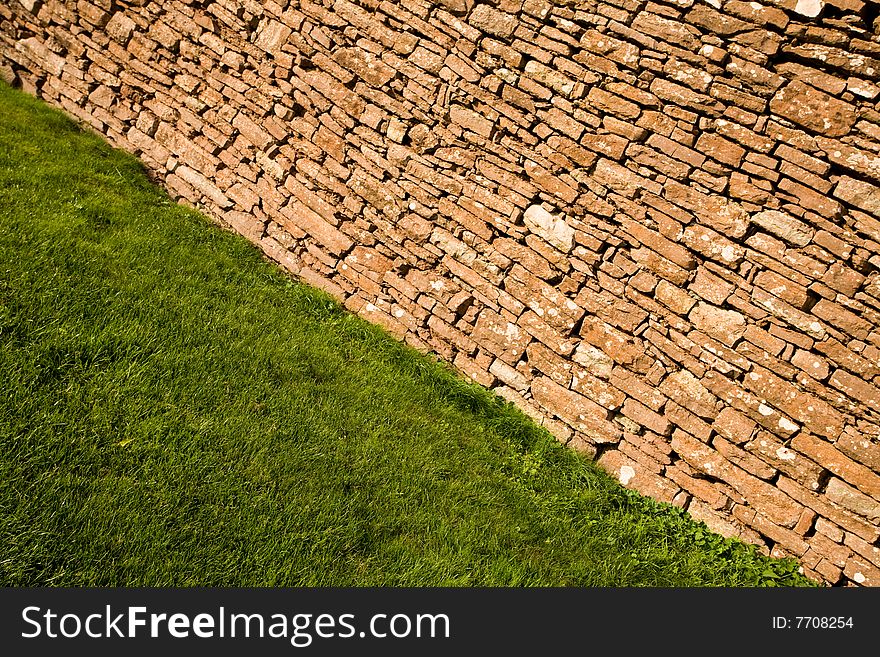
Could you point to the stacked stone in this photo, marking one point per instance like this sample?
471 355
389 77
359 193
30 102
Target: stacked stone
653 226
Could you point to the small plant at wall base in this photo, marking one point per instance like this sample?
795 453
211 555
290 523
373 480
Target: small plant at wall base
177 412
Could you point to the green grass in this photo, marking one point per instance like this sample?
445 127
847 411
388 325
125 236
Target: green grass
177 411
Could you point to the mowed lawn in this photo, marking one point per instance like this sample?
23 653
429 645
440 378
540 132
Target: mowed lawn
177 411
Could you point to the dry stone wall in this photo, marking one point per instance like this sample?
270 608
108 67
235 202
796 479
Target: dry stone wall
654 226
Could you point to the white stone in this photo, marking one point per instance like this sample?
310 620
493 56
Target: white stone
551 228
810 8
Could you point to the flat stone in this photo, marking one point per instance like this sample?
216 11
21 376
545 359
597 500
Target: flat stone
727 326
784 226
848 497
859 193
813 109
684 388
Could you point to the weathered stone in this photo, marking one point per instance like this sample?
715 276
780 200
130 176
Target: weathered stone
710 287
799 319
471 120
204 186
596 389
667 30
680 95
816 414
859 160
551 305
859 193
271 35
33 48
694 78
686 389
316 227
813 109
843 279
734 426
622 180
837 315
7 74
674 298
670 250
856 387
775 452
120 28
541 330
727 326
594 360
783 288
547 362
757 13
861 448
616 50
637 476
32 6
743 459
719 212
713 245
837 515
849 498
815 366
251 131
861 571
492 21
396 131
720 149
601 100
714 21
645 417
620 347
785 226
458 7
509 375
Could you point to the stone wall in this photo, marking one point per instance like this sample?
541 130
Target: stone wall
653 226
